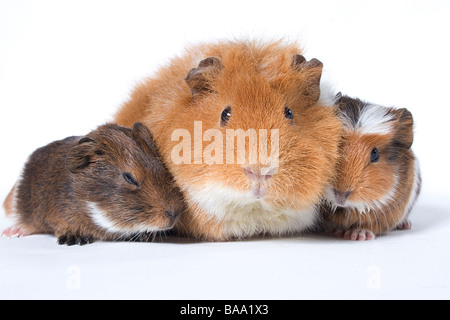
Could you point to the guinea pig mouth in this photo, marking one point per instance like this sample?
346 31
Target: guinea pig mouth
258 191
337 199
172 216
171 224
341 203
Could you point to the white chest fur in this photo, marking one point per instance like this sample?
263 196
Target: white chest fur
242 215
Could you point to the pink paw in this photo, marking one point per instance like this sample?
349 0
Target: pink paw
359 235
14 231
405 225
352 234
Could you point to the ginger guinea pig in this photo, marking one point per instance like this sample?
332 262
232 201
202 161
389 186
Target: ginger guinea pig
378 177
238 125
108 185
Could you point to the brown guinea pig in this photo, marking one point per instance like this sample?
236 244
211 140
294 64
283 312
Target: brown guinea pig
216 112
378 177
108 185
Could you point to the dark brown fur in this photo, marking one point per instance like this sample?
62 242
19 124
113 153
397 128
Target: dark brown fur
62 179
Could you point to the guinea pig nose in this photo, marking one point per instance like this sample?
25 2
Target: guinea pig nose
259 174
171 214
341 196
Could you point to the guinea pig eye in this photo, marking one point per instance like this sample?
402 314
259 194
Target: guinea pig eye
225 116
288 113
130 179
374 155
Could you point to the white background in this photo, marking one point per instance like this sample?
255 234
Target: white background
66 67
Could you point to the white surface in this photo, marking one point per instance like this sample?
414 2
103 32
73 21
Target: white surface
66 66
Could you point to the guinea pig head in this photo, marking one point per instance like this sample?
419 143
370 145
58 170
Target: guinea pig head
120 176
258 133
374 149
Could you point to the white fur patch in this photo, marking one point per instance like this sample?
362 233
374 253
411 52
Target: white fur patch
244 215
375 119
415 189
101 219
327 89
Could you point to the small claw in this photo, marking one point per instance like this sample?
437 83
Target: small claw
404 225
359 235
62 240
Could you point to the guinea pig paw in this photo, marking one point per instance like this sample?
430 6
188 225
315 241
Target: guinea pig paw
405 225
14 231
71 240
359 235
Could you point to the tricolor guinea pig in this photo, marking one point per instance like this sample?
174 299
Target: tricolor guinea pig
377 177
108 185
239 126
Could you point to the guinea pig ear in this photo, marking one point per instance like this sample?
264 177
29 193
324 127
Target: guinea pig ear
404 134
143 133
79 156
300 64
198 79
313 72
337 97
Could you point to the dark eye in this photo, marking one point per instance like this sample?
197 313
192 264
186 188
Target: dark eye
288 113
374 155
226 114
130 179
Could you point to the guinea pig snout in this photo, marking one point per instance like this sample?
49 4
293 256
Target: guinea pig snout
260 174
341 197
172 215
